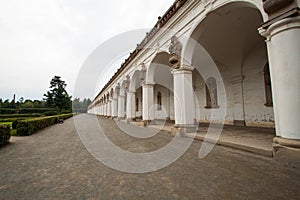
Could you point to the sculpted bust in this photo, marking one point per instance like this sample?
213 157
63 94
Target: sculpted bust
175 47
175 51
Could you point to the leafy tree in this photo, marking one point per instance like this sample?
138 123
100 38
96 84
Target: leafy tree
27 104
21 100
81 106
6 104
58 97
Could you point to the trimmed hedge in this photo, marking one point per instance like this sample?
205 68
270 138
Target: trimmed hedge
20 115
8 111
15 123
4 134
65 116
27 127
25 110
35 110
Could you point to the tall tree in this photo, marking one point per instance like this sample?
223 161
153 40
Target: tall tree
58 97
81 106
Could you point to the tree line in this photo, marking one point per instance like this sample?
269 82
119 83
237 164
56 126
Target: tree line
56 98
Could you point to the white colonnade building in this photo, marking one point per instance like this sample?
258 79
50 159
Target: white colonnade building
253 44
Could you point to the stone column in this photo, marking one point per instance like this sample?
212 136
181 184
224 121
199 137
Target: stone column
101 109
97 109
148 103
121 102
109 108
105 109
184 99
283 42
130 106
114 107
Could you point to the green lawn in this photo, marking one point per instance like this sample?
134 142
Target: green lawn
6 123
13 132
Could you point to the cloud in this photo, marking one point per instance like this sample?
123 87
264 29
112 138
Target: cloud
41 39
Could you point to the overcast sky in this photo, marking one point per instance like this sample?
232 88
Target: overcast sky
43 38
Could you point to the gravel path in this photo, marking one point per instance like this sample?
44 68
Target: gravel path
53 164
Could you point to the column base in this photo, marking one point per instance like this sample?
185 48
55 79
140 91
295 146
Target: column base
287 151
121 118
130 120
183 130
146 122
239 123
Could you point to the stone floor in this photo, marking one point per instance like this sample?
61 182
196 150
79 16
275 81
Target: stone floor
53 164
251 139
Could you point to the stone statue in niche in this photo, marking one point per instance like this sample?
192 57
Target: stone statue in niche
211 93
175 51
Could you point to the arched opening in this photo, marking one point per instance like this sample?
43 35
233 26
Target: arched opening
268 89
211 93
136 87
159 72
136 104
158 97
229 35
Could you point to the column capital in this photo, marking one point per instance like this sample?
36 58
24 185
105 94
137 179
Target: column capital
131 92
280 26
148 85
278 10
184 69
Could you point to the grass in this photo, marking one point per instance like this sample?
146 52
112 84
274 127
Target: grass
6 123
13 132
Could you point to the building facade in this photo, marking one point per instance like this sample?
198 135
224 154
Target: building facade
230 61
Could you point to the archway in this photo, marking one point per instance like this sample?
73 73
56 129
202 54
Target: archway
229 34
159 74
135 91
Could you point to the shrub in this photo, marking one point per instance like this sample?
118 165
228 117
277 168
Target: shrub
50 113
8 111
4 134
66 112
27 127
65 116
14 124
35 110
19 115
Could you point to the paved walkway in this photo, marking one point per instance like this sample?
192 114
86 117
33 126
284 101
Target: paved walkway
251 139
53 164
